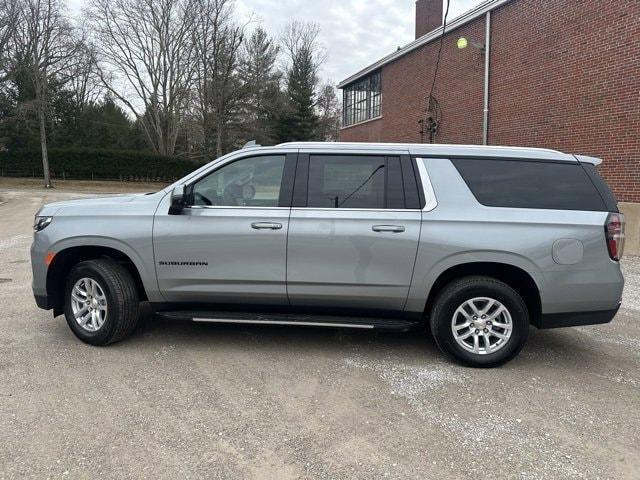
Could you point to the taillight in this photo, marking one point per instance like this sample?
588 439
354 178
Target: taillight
614 233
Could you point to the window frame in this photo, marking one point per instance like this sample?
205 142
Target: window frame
360 102
301 184
286 184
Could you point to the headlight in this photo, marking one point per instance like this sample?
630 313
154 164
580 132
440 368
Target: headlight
41 223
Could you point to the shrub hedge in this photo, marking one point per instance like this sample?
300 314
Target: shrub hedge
88 164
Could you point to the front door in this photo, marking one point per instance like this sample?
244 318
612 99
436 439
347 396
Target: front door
229 246
352 239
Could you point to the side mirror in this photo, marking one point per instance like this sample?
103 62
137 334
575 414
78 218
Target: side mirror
178 200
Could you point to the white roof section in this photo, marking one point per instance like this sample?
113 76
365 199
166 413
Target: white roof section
457 22
442 150
586 159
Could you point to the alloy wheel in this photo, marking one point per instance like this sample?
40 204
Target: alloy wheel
482 325
89 304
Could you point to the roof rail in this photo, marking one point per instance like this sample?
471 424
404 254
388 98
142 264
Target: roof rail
251 144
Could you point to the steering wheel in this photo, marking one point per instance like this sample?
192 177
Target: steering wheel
234 190
233 194
202 199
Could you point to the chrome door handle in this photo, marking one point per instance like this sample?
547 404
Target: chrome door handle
266 226
388 228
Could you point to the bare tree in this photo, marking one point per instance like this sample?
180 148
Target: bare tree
217 40
8 25
84 79
301 38
43 47
145 59
329 113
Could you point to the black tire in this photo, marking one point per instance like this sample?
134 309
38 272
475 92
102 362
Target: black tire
121 296
459 291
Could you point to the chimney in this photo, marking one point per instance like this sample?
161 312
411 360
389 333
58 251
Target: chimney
428 16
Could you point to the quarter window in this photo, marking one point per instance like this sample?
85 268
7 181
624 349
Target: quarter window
530 184
363 100
250 182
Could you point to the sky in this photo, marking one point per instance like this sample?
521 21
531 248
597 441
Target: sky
354 33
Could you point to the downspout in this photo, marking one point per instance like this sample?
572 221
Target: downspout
487 56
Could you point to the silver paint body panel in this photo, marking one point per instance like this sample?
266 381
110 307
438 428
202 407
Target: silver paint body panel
335 258
244 264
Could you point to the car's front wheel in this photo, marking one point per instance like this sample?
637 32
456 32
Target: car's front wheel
480 321
101 302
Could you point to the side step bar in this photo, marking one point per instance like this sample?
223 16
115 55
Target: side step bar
285 322
287 319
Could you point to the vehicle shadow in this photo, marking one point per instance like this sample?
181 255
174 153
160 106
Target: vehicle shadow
550 347
160 330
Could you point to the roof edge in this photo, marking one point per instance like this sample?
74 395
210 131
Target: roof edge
441 150
457 22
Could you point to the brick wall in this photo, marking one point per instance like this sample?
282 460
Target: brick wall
406 84
565 74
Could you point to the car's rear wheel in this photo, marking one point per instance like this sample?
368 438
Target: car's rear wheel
479 321
101 302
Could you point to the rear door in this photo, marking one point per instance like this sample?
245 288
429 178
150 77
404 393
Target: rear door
353 230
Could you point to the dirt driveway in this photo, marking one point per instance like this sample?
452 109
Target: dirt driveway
182 400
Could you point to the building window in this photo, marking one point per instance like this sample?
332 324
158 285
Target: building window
362 100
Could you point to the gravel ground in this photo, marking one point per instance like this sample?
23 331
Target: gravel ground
183 400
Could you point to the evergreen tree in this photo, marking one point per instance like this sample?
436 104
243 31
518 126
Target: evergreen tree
101 124
261 82
299 121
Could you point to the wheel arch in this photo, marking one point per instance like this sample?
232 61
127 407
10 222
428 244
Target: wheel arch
66 258
514 276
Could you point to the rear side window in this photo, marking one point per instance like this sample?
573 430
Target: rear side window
605 192
355 181
530 184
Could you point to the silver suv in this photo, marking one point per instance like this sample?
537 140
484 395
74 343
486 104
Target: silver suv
476 243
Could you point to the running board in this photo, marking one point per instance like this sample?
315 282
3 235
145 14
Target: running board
285 322
286 319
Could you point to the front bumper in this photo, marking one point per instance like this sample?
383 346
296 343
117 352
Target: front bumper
39 270
575 319
43 302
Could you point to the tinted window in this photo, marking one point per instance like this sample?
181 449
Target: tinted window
524 184
353 181
605 192
250 182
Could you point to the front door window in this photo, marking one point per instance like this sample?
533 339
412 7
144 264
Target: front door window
250 182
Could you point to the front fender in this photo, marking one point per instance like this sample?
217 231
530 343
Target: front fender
144 265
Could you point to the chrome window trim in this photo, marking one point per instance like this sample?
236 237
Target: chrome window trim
233 207
431 201
320 209
306 209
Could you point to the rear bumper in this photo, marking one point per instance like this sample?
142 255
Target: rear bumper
575 319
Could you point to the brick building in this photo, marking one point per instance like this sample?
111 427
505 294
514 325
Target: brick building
562 74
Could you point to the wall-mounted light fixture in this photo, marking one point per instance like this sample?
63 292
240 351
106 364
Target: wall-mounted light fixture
464 42
485 49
